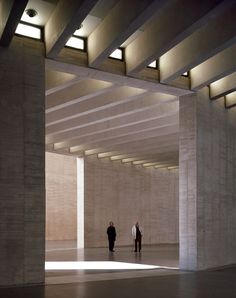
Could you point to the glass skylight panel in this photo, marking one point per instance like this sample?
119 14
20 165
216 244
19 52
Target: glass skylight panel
117 54
28 30
75 42
153 64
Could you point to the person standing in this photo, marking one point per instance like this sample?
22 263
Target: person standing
111 233
137 234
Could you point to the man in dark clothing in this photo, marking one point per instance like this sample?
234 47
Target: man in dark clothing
111 232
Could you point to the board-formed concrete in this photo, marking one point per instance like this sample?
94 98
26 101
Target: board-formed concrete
22 163
61 197
207 183
126 194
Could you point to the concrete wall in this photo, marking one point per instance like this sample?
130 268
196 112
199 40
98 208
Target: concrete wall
125 194
22 172
211 225
61 197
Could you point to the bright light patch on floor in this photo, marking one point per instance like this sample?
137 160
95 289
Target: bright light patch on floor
100 265
29 31
75 42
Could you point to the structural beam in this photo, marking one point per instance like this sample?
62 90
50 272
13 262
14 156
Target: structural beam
153 145
119 113
95 103
121 80
130 130
109 126
217 35
215 68
65 19
56 81
223 86
132 157
84 89
118 26
11 12
230 100
163 34
138 136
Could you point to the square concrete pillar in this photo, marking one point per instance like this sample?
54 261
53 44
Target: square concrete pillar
207 183
22 151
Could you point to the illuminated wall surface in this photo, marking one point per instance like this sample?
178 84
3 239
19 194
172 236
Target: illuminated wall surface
115 192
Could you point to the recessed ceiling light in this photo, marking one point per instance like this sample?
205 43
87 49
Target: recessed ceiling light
31 12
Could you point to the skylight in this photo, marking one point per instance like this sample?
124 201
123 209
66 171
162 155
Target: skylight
28 30
117 54
76 43
153 64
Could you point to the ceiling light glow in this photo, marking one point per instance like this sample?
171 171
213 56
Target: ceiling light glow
117 54
28 30
76 43
153 64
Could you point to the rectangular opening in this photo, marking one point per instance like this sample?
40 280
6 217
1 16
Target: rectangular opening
29 31
76 43
117 54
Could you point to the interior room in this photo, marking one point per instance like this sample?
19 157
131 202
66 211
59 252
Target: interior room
122 114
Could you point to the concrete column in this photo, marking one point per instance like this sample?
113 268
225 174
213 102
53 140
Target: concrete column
207 183
22 151
187 182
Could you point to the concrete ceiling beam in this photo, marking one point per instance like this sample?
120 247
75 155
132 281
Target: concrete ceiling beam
230 100
218 34
120 80
65 19
152 162
162 35
145 150
174 155
138 136
56 81
95 103
215 68
140 107
153 145
118 133
107 126
83 90
119 120
223 86
11 12
121 22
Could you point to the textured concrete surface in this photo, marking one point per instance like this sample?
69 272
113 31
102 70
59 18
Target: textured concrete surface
126 194
187 182
207 183
215 284
22 170
61 197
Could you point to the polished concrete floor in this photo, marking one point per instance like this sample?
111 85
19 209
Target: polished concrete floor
159 255
159 283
